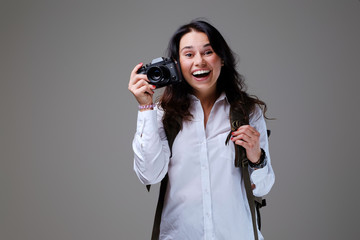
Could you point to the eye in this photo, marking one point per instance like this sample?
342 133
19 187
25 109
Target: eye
208 52
188 55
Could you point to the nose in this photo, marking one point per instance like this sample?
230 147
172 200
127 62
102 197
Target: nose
199 60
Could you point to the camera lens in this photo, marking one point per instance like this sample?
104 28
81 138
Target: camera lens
158 74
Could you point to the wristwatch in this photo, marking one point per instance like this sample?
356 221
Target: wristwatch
262 161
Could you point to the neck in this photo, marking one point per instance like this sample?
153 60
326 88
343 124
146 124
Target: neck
207 98
208 101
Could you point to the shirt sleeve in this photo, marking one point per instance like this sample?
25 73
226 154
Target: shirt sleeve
150 146
263 178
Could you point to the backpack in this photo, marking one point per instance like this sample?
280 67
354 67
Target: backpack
241 161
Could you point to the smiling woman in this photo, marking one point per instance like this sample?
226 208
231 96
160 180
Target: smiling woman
177 141
200 65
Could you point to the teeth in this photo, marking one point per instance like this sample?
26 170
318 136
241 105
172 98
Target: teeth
200 72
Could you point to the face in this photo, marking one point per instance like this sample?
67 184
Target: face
200 65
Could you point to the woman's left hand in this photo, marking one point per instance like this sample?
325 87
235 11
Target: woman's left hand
249 138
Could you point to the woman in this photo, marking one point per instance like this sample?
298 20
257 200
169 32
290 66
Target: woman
205 198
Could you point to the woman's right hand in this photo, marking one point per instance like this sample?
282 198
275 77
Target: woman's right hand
139 86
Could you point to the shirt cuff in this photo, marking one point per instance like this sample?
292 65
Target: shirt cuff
264 179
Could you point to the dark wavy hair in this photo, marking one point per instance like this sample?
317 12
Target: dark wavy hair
175 99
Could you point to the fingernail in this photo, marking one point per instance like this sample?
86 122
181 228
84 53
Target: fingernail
153 86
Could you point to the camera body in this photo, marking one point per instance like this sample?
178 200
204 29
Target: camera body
161 72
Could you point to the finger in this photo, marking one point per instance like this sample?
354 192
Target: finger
248 130
242 137
145 89
141 87
138 80
136 68
246 141
143 82
242 143
252 151
246 136
134 76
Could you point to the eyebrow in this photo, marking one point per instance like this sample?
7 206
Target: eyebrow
191 47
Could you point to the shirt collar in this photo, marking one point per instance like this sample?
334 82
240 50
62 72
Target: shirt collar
222 97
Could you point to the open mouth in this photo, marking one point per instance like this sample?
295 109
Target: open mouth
201 73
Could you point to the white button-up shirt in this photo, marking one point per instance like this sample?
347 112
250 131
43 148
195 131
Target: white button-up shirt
205 197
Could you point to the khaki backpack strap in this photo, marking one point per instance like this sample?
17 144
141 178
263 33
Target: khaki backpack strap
259 203
160 204
249 194
237 119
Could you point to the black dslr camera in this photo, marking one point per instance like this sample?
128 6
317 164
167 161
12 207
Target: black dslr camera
161 72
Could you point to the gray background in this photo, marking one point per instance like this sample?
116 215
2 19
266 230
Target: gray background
67 118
